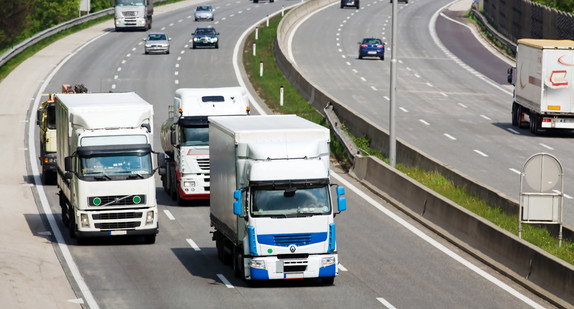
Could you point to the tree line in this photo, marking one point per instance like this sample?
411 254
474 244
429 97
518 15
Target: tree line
20 19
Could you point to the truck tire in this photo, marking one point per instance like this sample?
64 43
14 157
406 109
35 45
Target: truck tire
534 123
64 207
238 270
219 244
172 183
149 239
328 280
72 223
515 116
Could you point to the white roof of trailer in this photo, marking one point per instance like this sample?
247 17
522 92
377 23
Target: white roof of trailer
547 44
107 110
197 101
271 128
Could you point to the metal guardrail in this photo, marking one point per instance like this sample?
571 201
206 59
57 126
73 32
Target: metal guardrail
14 51
499 36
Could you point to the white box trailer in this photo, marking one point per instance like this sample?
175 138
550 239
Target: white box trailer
271 204
185 138
543 89
105 165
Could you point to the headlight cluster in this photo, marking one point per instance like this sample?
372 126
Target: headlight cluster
327 261
257 264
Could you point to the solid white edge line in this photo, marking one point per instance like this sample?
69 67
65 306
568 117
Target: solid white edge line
67 256
225 281
388 212
236 55
434 35
436 244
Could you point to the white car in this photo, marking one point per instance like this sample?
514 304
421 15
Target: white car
157 42
203 12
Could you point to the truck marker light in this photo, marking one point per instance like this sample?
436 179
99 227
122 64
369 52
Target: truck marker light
137 199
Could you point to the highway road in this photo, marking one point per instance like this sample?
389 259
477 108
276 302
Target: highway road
387 260
452 103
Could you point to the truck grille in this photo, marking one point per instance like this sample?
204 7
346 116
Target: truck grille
203 164
117 200
117 215
129 13
294 239
117 225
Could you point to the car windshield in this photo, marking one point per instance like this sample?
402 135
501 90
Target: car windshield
203 8
291 201
194 136
115 164
372 41
205 31
157 37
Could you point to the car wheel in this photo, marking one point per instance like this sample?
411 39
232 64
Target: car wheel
193 46
360 56
383 57
217 45
167 52
146 52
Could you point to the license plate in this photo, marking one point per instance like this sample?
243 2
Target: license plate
294 276
372 53
115 233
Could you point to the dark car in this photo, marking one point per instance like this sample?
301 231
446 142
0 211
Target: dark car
205 37
354 3
372 47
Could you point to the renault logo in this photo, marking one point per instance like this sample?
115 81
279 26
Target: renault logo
292 248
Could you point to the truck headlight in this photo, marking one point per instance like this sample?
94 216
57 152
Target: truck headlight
149 217
327 261
189 183
257 264
84 220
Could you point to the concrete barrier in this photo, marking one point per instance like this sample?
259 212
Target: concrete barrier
535 269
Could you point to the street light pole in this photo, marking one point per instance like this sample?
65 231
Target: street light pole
393 90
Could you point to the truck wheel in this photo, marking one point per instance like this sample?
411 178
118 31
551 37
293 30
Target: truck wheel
534 123
65 218
515 117
72 223
328 280
238 262
219 245
149 239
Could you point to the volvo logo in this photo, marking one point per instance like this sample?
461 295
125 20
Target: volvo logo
292 248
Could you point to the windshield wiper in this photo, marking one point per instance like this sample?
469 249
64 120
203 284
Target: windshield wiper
133 176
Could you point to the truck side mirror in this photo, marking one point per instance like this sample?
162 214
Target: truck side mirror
237 207
162 166
341 200
509 77
68 164
39 114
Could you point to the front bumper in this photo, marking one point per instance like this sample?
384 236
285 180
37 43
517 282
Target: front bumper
313 266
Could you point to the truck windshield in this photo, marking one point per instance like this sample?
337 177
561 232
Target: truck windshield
291 201
194 136
116 164
129 2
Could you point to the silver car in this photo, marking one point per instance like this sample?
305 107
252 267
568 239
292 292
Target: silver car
203 12
157 42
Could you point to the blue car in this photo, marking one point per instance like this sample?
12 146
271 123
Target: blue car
372 47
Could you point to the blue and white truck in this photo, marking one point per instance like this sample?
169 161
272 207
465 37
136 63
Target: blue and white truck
272 201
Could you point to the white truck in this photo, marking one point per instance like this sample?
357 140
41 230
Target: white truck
185 138
271 200
105 165
132 14
543 90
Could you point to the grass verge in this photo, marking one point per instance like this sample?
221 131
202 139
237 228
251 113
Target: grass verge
267 87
